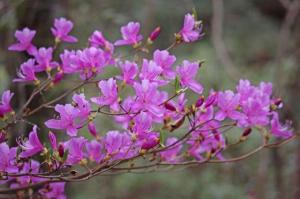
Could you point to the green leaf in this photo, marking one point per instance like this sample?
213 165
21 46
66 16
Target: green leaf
177 84
66 153
162 137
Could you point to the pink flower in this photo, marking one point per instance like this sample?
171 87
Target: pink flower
61 29
90 61
97 39
149 98
171 154
187 72
69 61
151 71
44 59
54 191
67 121
206 140
32 146
149 140
118 144
191 30
109 89
129 71
130 34
31 166
163 59
83 105
24 37
94 151
279 130
255 102
228 103
5 106
75 147
27 72
142 123
8 158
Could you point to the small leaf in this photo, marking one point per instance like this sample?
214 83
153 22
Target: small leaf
162 138
66 153
177 84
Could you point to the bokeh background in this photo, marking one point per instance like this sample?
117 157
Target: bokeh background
252 39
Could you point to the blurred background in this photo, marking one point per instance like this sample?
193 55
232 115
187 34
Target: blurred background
257 40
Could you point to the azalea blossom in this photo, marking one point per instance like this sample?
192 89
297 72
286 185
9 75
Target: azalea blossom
191 30
62 28
163 59
170 155
27 72
129 72
187 72
279 130
228 103
109 89
43 57
32 146
67 121
8 158
24 38
75 148
130 34
5 106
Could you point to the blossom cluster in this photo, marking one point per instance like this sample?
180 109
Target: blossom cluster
147 113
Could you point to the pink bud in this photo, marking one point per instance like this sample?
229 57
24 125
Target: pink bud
92 129
247 132
61 150
58 77
169 106
154 34
278 102
211 99
52 139
200 101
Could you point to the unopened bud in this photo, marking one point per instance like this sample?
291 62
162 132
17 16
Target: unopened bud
245 134
58 77
177 124
278 101
211 99
200 101
92 129
169 106
61 150
154 34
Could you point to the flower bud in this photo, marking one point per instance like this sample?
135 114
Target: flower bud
52 139
61 150
278 102
169 106
58 77
200 101
211 99
92 129
177 124
247 132
154 34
